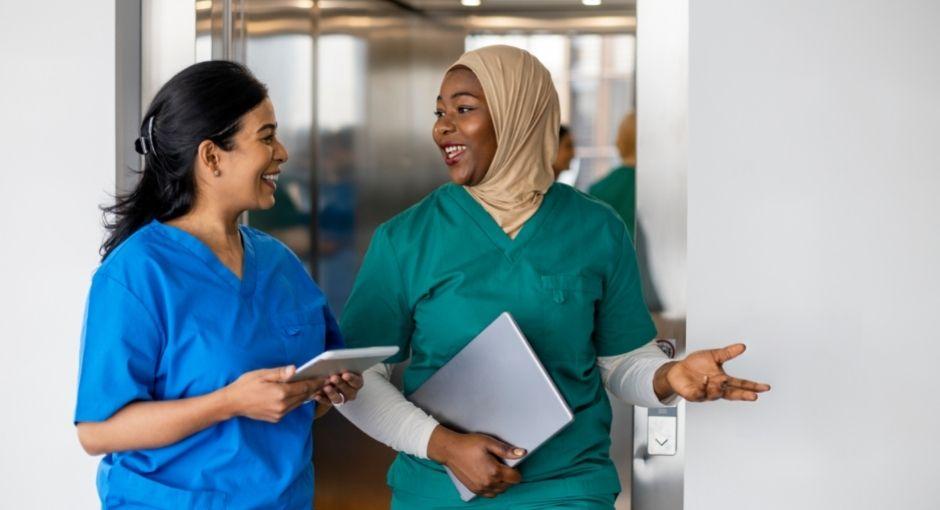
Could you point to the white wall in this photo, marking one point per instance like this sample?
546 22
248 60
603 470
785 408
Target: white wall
57 144
814 235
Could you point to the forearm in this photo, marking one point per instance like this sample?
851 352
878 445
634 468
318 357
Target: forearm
146 425
382 412
638 377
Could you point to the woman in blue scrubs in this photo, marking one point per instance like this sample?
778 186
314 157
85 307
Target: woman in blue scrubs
194 323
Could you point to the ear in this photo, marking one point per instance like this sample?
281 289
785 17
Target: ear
208 157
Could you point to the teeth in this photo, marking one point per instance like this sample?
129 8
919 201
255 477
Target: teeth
271 177
453 149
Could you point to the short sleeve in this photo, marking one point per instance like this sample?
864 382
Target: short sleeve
623 321
377 312
120 349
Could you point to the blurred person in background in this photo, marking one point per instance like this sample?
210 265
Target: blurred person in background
565 151
618 188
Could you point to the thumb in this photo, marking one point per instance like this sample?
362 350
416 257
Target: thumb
501 449
277 374
730 352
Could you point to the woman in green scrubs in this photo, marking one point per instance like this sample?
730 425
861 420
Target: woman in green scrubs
618 188
503 237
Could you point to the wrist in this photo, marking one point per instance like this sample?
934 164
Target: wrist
661 385
439 444
321 409
225 406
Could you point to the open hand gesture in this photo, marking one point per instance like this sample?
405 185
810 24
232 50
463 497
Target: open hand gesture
701 376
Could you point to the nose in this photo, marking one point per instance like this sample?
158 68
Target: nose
443 126
280 152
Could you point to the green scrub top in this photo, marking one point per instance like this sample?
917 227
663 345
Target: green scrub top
438 273
618 189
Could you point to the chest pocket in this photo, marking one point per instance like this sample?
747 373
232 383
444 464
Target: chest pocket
568 303
302 332
572 287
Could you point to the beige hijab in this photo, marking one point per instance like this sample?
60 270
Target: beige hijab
524 106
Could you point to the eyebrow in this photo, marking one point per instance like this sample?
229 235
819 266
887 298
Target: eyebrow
458 94
267 126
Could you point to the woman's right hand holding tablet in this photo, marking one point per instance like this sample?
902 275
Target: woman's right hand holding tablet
266 395
475 460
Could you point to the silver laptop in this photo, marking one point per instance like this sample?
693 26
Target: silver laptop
496 386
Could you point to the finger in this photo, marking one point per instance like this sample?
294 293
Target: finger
353 379
321 399
333 394
715 387
739 394
297 396
744 384
713 391
315 385
504 485
348 391
293 403
729 353
499 488
501 449
510 476
278 374
297 388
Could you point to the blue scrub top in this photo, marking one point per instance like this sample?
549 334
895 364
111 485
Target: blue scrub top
167 320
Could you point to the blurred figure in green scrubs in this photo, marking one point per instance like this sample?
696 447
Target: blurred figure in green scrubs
502 236
565 151
618 188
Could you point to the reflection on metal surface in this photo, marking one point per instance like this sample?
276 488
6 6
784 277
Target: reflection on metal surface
380 69
662 161
354 85
657 478
658 453
127 92
594 24
550 7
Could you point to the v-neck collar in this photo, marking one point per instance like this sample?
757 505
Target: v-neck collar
510 247
246 285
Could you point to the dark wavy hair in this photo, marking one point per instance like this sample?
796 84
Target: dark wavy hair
205 101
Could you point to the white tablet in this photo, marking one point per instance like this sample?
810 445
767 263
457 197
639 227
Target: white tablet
343 360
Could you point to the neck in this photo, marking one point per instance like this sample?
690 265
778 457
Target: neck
217 228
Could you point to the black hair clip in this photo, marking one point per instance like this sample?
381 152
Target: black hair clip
144 144
140 145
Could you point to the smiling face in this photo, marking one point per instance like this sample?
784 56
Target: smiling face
249 171
464 129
